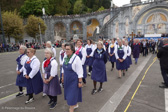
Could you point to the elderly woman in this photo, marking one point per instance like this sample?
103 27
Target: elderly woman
61 57
112 54
121 55
99 67
49 45
72 77
50 78
136 50
81 52
34 82
128 59
20 80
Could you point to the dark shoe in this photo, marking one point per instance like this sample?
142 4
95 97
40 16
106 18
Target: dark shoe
29 100
94 91
163 83
123 74
19 94
119 77
53 105
112 69
50 102
100 90
163 86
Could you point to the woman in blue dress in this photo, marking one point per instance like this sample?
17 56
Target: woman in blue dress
121 55
72 74
51 85
128 59
20 80
99 67
89 58
112 58
34 82
81 52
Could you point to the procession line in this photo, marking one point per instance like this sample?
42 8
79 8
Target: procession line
154 60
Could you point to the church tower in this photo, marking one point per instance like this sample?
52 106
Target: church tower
135 1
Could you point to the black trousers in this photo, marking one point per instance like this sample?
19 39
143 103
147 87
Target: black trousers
84 80
90 68
164 75
20 88
53 98
112 63
144 50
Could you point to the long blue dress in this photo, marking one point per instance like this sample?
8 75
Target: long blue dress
89 61
72 92
34 85
121 65
53 87
84 66
112 58
20 80
99 67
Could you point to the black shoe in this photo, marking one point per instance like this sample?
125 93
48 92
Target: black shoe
126 69
123 74
112 69
29 100
100 90
53 105
94 91
163 83
50 102
119 77
163 86
19 94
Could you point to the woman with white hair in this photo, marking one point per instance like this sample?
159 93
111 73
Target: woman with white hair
51 85
121 55
20 80
49 45
99 67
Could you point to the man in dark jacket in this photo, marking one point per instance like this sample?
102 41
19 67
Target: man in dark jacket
163 57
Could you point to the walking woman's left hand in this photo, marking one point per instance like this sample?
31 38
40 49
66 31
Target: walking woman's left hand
80 85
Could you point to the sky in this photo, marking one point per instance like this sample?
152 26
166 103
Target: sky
122 2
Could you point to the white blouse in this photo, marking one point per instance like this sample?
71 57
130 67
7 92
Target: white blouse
35 65
84 54
124 49
128 48
61 60
109 50
76 65
92 47
54 66
54 51
22 62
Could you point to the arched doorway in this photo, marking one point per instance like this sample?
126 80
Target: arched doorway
76 29
91 27
59 31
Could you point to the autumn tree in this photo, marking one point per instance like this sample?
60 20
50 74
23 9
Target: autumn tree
32 26
13 25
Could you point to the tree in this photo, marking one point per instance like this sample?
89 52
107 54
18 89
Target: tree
32 26
13 25
34 7
60 7
78 7
101 8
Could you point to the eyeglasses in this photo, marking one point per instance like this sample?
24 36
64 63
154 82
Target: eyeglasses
67 49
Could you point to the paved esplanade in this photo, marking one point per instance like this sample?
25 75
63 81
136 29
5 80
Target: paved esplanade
115 97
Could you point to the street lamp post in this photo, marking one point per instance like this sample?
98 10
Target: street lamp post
40 33
3 35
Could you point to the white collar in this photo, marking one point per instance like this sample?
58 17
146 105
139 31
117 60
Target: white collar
33 57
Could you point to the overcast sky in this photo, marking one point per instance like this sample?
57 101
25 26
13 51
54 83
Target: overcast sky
122 2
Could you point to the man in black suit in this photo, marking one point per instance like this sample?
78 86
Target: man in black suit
163 57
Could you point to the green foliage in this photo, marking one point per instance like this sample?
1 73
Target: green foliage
101 8
34 7
13 25
78 7
32 26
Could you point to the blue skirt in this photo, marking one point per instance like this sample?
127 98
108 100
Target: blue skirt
35 85
127 63
89 61
99 71
21 80
121 66
130 60
112 58
84 71
53 87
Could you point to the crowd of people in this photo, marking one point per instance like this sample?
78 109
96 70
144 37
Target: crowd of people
74 58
